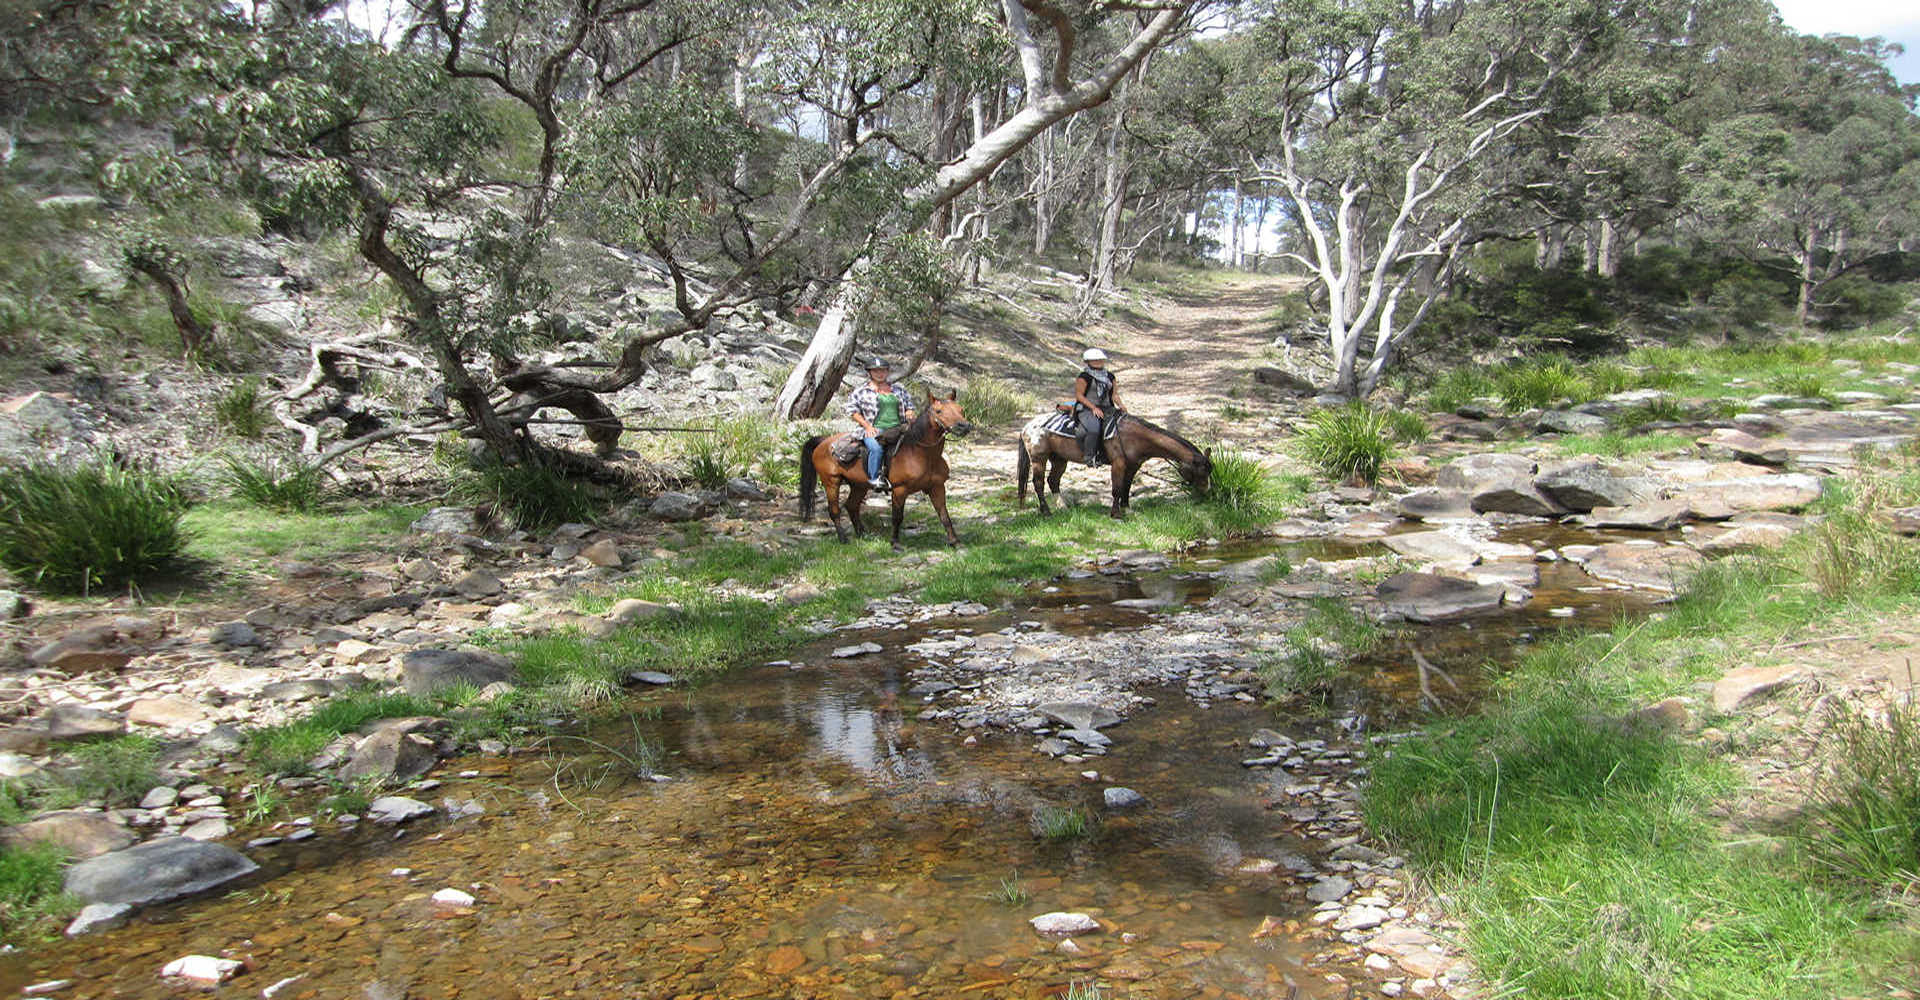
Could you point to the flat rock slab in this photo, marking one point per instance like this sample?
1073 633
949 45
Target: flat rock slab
1470 473
78 722
1643 565
1428 597
1079 715
863 649
81 834
1436 504
1415 951
1744 446
425 671
158 870
1790 491
1743 684
1583 484
1516 496
1442 547
1653 515
396 809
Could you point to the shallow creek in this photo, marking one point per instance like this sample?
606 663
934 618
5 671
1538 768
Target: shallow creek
811 838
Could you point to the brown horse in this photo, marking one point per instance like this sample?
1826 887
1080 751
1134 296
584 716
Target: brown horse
1044 455
918 466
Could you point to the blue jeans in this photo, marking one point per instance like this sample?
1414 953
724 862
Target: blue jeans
873 457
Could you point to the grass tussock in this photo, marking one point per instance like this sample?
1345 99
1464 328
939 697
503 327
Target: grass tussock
241 410
532 495
1246 488
1056 824
1864 826
94 526
1316 651
1539 384
113 773
30 888
1350 442
992 403
274 481
1590 856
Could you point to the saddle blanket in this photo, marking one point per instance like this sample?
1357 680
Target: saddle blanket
847 446
1063 424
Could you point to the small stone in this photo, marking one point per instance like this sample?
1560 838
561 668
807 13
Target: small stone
235 633
41 989
863 649
212 828
632 611
1360 918
396 809
478 583
1119 797
1743 684
453 897
98 917
13 605
202 969
78 722
603 553
1064 923
171 712
1331 889
653 677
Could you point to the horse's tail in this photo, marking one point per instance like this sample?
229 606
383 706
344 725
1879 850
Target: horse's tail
808 476
1026 466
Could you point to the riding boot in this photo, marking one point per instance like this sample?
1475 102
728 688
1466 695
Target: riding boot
1090 448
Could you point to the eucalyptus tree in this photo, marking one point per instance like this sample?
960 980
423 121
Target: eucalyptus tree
1392 132
1824 172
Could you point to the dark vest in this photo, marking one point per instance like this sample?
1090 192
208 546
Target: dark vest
1099 387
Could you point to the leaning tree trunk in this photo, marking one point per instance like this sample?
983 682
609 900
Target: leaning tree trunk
195 336
1050 99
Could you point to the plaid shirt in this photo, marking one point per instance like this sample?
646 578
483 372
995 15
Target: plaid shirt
866 401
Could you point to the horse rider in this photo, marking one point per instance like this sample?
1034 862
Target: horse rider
881 408
1094 404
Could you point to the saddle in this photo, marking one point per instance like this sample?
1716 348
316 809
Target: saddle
1064 424
847 446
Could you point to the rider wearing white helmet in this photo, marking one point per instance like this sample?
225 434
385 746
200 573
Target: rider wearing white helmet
1094 403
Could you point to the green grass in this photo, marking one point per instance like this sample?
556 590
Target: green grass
992 404
228 533
1622 444
1458 386
1242 485
1864 827
1061 823
1590 857
240 411
1010 892
1316 650
91 527
115 772
533 495
1348 442
30 889
276 482
1539 384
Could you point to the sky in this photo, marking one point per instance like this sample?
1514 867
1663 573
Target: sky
1893 20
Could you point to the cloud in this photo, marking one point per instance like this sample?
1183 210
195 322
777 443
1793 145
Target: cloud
1893 21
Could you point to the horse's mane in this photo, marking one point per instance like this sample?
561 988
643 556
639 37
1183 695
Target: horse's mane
1157 429
917 430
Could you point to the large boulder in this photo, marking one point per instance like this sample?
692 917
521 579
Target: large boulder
1653 515
395 753
1426 597
1585 483
446 521
1516 496
424 671
1743 446
158 870
1285 381
1079 715
78 722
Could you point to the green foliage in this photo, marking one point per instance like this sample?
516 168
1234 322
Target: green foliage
74 530
1537 384
1807 385
1348 442
533 494
1316 650
748 445
1010 892
1244 488
1082 989
239 410
1865 824
1458 386
116 771
274 481
1622 444
1406 426
30 887
1853 300
991 402
1664 409
1060 823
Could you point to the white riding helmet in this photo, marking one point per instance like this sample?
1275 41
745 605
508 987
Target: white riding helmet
1093 354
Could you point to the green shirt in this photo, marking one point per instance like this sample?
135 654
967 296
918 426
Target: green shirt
889 415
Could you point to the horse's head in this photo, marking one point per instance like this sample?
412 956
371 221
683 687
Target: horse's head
1197 472
947 414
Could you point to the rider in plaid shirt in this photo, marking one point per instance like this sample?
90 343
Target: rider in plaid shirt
880 408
